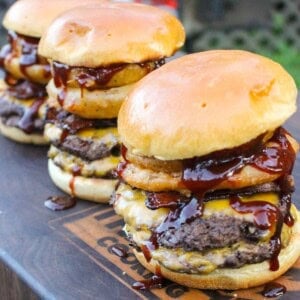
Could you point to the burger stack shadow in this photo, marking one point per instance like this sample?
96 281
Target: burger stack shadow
26 73
97 54
206 176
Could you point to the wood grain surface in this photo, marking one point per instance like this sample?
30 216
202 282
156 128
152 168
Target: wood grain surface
65 255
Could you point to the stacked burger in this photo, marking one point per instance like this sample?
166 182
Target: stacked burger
206 179
97 53
23 93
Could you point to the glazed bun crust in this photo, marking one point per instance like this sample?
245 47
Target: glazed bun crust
233 279
206 102
32 17
19 136
102 35
92 189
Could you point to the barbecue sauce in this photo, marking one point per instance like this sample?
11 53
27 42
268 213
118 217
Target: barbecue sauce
206 172
165 200
273 289
122 165
28 55
71 124
202 174
57 203
24 89
155 281
88 78
185 212
76 171
27 122
266 216
119 251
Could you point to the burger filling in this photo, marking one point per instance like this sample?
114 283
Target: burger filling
101 77
88 147
205 226
22 106
26 73
20 58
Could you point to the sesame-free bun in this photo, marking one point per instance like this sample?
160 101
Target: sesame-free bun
92 189
98 35
232 279
32 17
206 102
20 136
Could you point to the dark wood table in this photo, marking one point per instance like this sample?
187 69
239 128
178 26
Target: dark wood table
67 255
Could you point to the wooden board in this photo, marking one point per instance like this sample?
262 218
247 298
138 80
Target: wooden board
67 255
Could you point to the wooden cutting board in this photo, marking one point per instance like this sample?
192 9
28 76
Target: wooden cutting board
68 255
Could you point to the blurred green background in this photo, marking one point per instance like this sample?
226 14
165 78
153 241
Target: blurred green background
268 27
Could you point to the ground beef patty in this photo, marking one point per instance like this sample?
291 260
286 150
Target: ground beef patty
251 254
88 149
216 232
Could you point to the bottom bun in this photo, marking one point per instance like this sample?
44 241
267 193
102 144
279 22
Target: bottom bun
92 189
233 279
20 136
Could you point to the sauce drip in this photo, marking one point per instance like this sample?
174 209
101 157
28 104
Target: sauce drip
165 200
85 76
28 55
119 251
25 89
58 203
155 281
202 174
26 123
185 212
89 78
71 124
266 216
206 172
122 165
72 185
273 289
76 171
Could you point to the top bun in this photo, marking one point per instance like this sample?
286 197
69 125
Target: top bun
99 35
206 102
32 17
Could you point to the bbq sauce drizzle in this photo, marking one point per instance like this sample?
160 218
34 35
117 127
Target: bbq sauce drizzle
71 124
20 88
28 56
201 174
27 122
100 76
24 89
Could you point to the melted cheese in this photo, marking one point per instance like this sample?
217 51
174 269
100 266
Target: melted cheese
131 206
97 133
69 162
139 220
105 135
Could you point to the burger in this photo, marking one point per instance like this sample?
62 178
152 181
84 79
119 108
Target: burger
206 182
22 92
97 53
